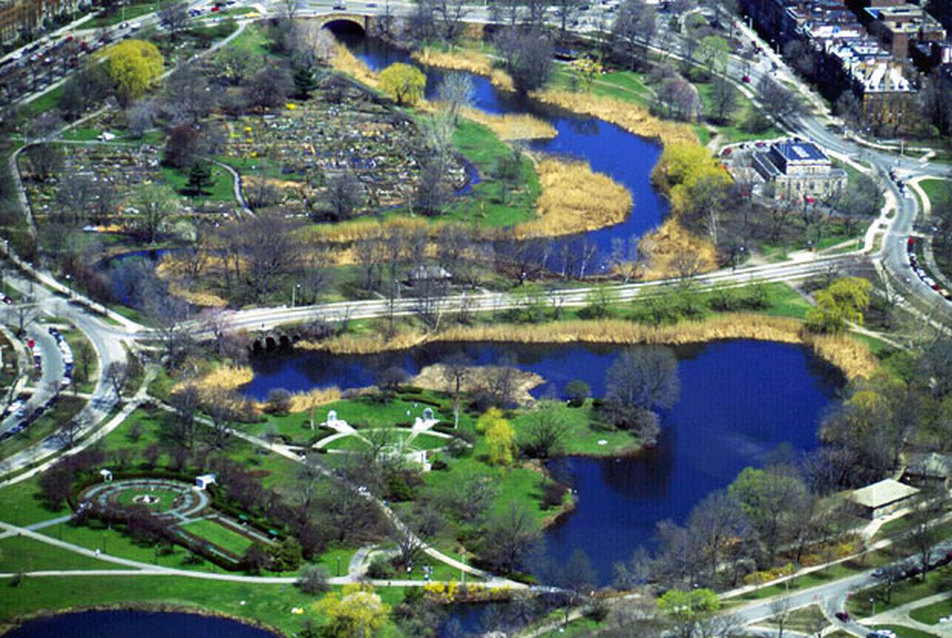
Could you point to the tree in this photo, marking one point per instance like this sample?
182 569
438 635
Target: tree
587 70
770 498
456 369
344 195
645 377
776 99
199 179
684 609
269 87
841 302
713 52
174 18
577 391
500 437
313 580
509 537
155 203
449 16
116 374
546 432
632 31
862 196
236 64
527 56
565 11
134 66
403 83
723 99
456 92
355 612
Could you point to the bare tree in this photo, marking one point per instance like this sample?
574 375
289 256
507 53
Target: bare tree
632 30
456 91
344 195
456 369
115 376
174 18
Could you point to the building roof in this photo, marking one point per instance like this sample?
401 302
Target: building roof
794 151
882 493
930 465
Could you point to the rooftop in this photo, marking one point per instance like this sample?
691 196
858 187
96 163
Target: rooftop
795 151
882 493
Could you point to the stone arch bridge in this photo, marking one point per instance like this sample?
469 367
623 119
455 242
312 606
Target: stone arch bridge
365 22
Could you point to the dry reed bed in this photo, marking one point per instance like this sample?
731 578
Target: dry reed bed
634 118
301 401
502 80
197 297
574 199
673 251
346 62
463 60
223 377
851 356
512 126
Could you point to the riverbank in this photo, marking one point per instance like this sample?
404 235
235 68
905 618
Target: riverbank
852 357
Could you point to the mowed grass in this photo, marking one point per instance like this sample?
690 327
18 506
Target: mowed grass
21 504
930 614
219 535
937 190
221 188
21 554
486 206
580 435
267 603
907 591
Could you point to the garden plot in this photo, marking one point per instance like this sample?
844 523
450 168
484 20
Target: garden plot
342 129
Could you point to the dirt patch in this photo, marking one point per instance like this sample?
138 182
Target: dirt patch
478 378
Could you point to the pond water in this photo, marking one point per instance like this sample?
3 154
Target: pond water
134 624
740 401
625 157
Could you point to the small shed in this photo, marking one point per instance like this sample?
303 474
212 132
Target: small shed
882 498
428 273
203 481
106 475
929 469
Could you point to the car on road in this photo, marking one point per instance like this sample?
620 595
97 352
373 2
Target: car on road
842 616
745 79
340 7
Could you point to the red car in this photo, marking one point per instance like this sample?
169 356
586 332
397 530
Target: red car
842 616
746 79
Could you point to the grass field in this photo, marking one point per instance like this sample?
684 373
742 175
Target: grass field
221 188
907 591
930 614
20 554
219 535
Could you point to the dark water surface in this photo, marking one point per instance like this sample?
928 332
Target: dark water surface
135 624
740 400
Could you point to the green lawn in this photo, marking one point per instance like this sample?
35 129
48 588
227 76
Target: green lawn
219 535
907 591
935 189
20 504
124 14
220 190
580 436
20 554
930 614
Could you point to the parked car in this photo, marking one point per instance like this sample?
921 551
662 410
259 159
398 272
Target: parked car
745 79
842 616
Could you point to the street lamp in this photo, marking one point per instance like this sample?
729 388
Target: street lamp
294 290
69 282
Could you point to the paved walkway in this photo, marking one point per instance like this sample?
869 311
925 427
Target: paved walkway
900 616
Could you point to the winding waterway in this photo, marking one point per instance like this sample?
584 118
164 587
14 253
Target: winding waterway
609 149
740 402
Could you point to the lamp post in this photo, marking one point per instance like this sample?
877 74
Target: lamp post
294 290
69 282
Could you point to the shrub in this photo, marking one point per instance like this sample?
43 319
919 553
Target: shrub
553 494
313 580
577 391
279 402
380 568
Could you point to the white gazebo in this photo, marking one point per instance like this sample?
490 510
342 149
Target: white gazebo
203 481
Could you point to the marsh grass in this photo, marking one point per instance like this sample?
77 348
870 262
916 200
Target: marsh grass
850 355
575 199
634 118
460 60
346 62
671 248
502 80
512 126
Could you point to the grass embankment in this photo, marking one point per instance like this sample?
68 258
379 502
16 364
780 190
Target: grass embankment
457 60
63 411
849 355
346 62
270 604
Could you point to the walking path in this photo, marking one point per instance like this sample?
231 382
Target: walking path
900 616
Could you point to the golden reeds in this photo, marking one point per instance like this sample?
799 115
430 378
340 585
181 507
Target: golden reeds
673 251
574 199
634 118
502 80
197 297
847 354
461 60
301 401
346 62
512 126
